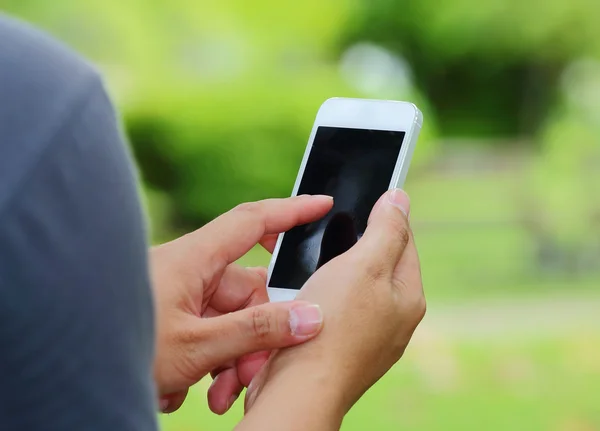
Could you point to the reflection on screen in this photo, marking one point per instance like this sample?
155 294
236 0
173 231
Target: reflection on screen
355 166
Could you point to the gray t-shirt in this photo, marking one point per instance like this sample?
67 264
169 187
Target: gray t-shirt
76 315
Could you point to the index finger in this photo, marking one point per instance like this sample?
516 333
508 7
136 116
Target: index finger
233 234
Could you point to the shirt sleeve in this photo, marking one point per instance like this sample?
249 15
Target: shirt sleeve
76 312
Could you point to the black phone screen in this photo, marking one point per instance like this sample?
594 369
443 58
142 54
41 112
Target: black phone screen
355 167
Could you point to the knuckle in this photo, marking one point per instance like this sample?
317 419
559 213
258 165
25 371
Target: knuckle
188 347
375 272
416 305
248 207
412 293
420 307
401 231
263 323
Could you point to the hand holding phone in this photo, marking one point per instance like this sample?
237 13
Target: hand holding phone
357 150
372 301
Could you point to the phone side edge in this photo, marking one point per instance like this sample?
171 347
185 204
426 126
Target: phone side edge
412 139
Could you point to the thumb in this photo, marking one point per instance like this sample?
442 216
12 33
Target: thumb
264 327
388 231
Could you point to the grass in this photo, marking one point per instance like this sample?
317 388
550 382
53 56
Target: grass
544 384
547 383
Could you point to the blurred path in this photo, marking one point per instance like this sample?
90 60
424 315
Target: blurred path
520 317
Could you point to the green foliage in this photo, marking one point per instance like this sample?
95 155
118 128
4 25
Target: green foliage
219 98
499 30
212 149
489 68
565 177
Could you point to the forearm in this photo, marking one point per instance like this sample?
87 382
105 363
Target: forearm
296 399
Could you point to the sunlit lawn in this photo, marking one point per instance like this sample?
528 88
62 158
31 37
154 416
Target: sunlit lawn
502 384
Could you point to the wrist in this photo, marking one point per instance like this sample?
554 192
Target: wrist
301 395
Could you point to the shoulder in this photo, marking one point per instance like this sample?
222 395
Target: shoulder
30 57
42 85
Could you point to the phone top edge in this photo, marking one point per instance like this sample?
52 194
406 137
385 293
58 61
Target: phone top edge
360 99
368 114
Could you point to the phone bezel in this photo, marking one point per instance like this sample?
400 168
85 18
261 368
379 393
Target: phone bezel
358 114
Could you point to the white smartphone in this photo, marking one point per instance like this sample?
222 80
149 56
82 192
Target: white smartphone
357 150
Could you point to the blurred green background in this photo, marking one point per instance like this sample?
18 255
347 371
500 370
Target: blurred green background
219 98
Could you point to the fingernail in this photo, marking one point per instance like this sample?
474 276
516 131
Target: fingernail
232 400
163 404
250 397
324 197
399 199
305 320
250 387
